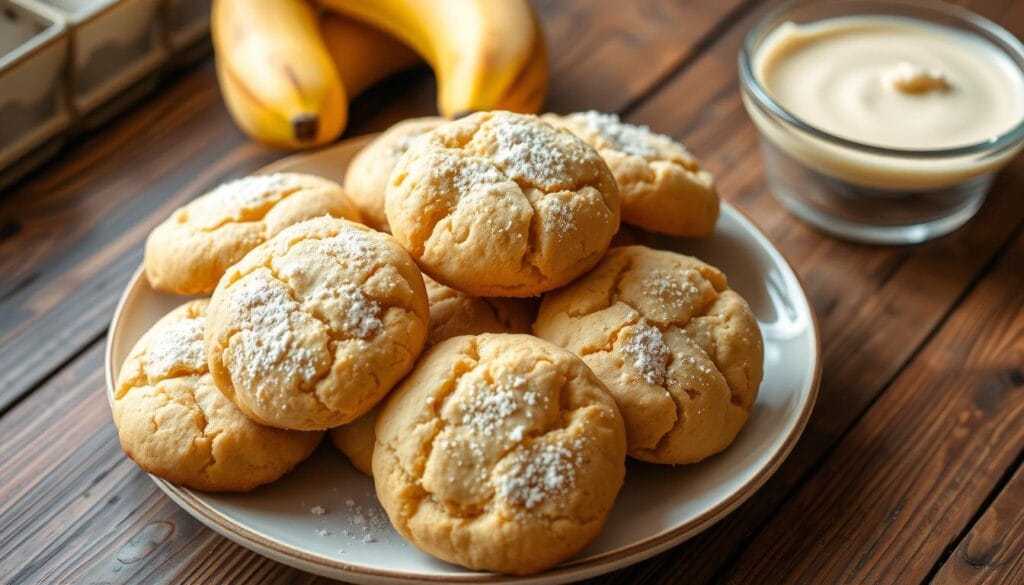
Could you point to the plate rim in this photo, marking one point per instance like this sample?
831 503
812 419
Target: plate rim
596 564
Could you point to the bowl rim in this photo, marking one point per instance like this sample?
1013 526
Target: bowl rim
577 568
991 32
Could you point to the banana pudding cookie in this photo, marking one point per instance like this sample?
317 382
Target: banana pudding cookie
452 313
367 176
174 423
189 252
662 187
310 329
499 452
356 440
680 352
502 205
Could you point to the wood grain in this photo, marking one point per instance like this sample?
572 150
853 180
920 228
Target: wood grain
876 305
910 475
993 551
71 235
74 509
886 478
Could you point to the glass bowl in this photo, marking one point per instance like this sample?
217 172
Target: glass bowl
908 196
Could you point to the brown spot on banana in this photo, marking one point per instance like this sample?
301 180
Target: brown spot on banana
305 127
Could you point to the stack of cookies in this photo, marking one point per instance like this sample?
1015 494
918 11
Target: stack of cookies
397 314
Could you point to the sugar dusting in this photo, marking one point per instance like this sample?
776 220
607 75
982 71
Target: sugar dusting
489 405
179 345
361 317
466 175
351 245
268 314
527 152
559 215
629 138
539 472
673 288
250 191
370 521
650 354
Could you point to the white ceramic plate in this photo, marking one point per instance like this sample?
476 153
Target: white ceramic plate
658 508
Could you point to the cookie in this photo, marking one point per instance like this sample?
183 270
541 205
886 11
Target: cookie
499 452
356 440
189 252
662 187
313 327
679 350
452 313
174 423
498 204
368 173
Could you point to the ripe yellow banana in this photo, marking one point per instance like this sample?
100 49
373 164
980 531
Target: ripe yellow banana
487 54
528 91
275 72
362 54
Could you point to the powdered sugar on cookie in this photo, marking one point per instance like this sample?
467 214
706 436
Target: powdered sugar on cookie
362 314
176 347
628 138
650 355
527 152
250 191
537 473
675 289
267 313
466 175
559 215
491 404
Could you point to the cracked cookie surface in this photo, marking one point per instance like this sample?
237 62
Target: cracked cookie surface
452 313
681 352
499 452
367 176
661 185
174 423
189 252
502 205
312 328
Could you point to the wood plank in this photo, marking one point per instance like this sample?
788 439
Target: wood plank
876 305
74 509
911 474
71 235
993 551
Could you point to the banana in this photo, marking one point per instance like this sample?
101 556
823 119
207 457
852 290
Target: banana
362 54
275 72
486 54
530 88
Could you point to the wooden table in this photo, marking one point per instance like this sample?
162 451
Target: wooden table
911 467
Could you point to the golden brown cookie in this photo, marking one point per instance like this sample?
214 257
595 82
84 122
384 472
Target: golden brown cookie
367 176
356 440
679 350
502 205
662 187
189 252
499 452
174 423
454 313
316 325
